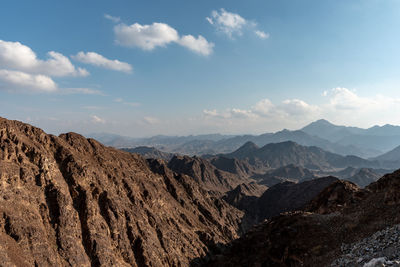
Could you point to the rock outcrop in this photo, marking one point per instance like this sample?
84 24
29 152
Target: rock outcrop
317 238
70 201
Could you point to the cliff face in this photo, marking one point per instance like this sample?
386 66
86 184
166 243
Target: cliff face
69 200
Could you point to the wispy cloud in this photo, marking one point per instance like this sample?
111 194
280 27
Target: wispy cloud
83 91
98 60
233 24
261 34
132 104
112 18
97 120
151 120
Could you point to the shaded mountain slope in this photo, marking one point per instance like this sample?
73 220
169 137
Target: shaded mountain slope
289 196
232 165
392 155
277 155
286 173
342 214
206 174
364 177
149 152
70 201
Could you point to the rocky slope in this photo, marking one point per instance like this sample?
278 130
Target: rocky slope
206 174
70 201
286 173
150 152
343 215
280 198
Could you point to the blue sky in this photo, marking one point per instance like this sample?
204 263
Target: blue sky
142 68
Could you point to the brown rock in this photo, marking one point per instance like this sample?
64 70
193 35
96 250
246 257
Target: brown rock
70 201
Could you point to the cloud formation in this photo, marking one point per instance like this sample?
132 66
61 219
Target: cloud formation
149 37
98 60
16 56
232 24
122 101
266 109
261 34
21 81
21 70
112 18
198 45
339 105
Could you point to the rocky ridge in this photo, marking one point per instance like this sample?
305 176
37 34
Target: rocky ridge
70 201
316 238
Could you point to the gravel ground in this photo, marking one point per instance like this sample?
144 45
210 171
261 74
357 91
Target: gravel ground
380 249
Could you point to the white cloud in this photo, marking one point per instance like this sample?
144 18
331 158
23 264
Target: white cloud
146 37
288 112
345 99
100 61
19 57
199 45
242 113
339 105
150 120
227 22
149 37
345 105
233 24
96 119
261 34
296 107
264 107
20 81
112 18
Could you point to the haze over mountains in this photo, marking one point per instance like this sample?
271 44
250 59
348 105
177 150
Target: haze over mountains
366 143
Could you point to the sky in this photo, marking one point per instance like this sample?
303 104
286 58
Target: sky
143 68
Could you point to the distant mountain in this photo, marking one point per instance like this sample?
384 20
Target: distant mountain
277 155
215 143
326 130
289 172
392 155
374 139
149 152
167 143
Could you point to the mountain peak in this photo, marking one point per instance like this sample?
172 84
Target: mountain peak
249 145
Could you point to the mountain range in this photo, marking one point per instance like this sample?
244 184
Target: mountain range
71 201
343 140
